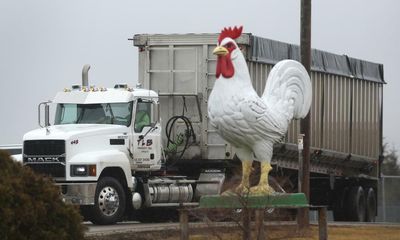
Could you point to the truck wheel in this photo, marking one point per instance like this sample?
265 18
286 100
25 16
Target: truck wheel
356 206
110 202
371 206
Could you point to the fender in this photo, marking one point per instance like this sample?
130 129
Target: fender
102 159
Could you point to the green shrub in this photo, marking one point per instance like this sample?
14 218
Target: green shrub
31 207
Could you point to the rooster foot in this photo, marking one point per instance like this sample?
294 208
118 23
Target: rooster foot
263 189
244 186
229 192
242 189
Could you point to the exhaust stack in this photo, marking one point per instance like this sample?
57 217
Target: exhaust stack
85 76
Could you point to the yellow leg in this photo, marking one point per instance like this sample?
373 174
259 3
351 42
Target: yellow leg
244 185
263 187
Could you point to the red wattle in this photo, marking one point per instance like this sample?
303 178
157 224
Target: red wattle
225 66
218 71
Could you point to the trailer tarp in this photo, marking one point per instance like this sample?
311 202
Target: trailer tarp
270 51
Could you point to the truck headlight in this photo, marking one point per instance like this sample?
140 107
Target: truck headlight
83 170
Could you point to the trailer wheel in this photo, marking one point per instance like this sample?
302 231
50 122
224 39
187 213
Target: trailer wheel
371 206
356 206
110 202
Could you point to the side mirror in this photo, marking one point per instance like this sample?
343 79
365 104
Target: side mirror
46 114
156 113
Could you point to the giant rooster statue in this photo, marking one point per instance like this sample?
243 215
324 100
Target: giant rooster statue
250 123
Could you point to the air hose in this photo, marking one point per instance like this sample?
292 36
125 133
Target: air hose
173 144
172 147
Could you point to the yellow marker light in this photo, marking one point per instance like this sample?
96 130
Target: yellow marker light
93 88
92 170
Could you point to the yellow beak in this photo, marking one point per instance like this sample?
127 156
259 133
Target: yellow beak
220 51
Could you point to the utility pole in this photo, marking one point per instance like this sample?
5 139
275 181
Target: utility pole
305 124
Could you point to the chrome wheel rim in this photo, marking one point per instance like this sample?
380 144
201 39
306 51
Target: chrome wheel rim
108 201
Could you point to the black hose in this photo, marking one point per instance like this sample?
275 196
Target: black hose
189 133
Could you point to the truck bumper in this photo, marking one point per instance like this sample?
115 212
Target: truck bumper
78 193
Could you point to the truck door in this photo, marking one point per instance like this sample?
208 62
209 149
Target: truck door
146 137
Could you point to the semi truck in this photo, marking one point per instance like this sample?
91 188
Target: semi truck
130 150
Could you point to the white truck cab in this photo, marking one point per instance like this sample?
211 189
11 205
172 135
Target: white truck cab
105 149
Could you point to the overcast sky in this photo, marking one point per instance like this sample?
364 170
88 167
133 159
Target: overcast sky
45 43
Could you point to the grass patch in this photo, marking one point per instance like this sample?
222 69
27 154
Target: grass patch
370 232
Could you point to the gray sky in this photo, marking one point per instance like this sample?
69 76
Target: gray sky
45 43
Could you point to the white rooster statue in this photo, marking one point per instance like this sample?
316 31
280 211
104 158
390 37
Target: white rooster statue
250 123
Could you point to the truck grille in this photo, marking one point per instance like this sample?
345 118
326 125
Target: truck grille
55 170
45 157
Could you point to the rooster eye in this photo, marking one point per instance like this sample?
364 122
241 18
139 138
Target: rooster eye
228 45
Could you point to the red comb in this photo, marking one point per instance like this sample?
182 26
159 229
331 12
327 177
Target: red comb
229 32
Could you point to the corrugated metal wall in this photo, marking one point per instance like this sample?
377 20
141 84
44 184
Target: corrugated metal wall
345 112
365 118
335 99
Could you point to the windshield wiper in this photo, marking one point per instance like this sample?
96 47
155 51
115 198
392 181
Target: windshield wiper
152 128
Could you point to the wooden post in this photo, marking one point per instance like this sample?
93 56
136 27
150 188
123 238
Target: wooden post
322 224
305 124
184 224
246 224
260 229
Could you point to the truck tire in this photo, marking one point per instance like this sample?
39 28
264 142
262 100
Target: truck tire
356 206
110 202
371 206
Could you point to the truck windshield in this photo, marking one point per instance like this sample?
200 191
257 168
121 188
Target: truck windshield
99 113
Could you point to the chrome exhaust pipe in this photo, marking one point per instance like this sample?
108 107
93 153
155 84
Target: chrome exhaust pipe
85 75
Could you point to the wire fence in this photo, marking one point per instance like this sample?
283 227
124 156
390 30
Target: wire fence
389 199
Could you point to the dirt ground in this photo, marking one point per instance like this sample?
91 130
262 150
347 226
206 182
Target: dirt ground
370 232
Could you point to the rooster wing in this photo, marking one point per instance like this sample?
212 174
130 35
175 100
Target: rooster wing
247 122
